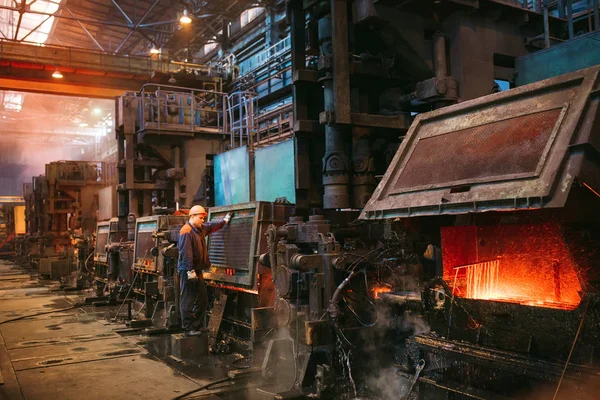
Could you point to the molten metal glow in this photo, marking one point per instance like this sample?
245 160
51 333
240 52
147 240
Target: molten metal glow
529 265
377 290
233 288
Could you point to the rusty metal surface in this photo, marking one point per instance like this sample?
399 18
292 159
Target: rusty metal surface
234 250
493 151
520 149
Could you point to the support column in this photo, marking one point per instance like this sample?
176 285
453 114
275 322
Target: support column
177 183
336 175
122 199
341 63
300 93
133 203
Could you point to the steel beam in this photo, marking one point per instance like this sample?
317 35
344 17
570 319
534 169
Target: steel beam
21 12
87 20
341 64
86 31
129 21
35 29
296 13
137 25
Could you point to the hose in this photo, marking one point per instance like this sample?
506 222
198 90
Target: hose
581 323
334 310
181 396
86 264
358 318
234 363
126 296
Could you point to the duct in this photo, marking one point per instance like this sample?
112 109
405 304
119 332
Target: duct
521 149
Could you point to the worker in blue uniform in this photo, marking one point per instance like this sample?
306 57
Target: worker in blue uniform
193 259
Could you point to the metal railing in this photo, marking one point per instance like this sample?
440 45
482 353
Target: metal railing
70 57
258 60
241 108
166 107
187 110
274 126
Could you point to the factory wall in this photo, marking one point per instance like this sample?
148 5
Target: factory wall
195 163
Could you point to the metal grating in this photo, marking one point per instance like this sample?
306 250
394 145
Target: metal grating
230 246
499 150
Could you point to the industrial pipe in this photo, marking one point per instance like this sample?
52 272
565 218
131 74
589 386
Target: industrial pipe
440 63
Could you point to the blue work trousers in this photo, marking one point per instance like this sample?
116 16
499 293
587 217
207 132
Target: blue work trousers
192 302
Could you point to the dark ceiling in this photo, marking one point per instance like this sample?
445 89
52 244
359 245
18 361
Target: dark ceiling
134 26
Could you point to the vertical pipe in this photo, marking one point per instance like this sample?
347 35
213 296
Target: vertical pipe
121 195
570 18
226 126
589 15
546 25
440 63
561 8
250 114
147 203
133 202
147 195
241 119
596 16
177 165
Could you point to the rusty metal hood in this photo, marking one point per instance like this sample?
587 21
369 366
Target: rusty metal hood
519 149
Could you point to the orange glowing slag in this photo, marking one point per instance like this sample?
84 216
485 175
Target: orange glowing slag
377 290
528 264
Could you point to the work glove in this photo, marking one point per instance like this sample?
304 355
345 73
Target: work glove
228 217
191 275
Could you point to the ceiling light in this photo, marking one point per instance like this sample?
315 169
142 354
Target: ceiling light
96 111
83 125
56 74
154 50
185 18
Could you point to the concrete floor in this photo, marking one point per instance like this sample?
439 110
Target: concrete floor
76 353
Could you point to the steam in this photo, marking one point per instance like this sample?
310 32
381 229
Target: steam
41 128
388 384
21 161
384 379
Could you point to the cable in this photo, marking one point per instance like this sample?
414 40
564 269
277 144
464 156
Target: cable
360 321
126 296
86 262
139 311
38 314
181 396
234 363
572 348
